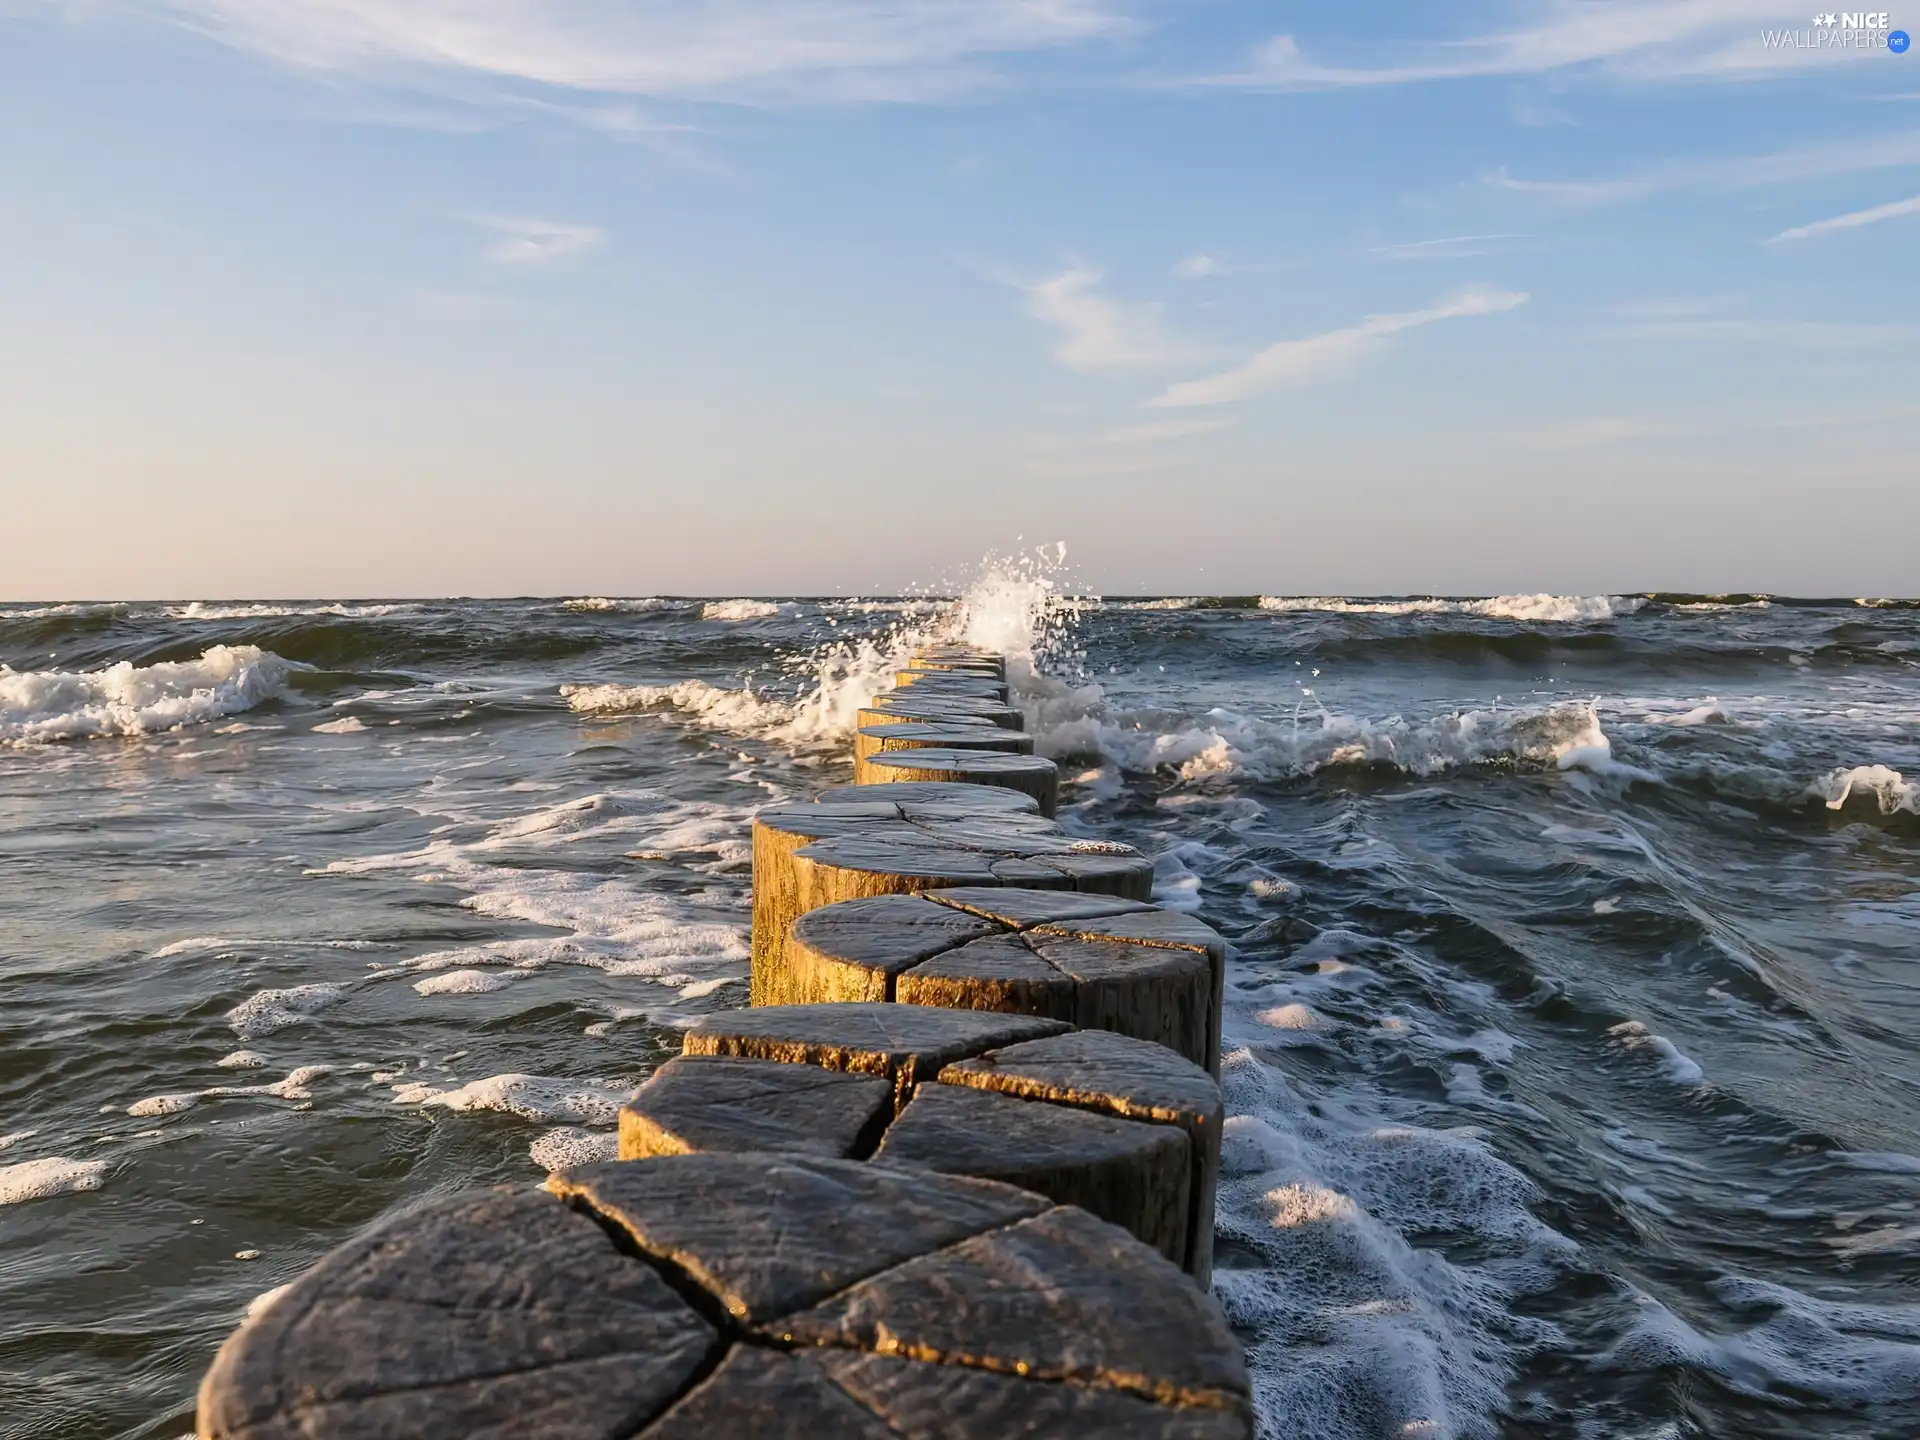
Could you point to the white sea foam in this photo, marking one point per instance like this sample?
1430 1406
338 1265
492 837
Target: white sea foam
215 610
55 1175
1359 1334
1171 602
163 1105
642 605
296 1086
242 1060
1632 1035
345 725
1552 609
612 923
568 1146
1015 605
738 712
1711 713
7 1142
464 982
739 610
1068 720
539 1097
1891 791
270 1010
48 612
40 706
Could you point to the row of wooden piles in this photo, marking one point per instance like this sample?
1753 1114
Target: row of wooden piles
952 1175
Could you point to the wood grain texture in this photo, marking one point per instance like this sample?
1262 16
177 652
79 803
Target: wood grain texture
781 831
1033 775
851 845
950 682
768 1234
905 705
767 1295
1134 1174
1062 1296
1118 1075
953 1402
1024 952
494 1314
762 1394
870 740
704 1104
903 1043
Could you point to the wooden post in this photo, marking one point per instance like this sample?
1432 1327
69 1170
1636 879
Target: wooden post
692 1297
781 831
903 706
1030 774
1121 1127
1098 962
957 733
952 682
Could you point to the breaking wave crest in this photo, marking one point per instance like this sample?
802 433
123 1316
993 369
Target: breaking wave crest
739 610
1551 609
41 706
1074 721
601 605
1017 606
1881 785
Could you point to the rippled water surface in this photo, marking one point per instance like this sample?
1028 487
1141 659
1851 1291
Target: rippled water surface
1573 1025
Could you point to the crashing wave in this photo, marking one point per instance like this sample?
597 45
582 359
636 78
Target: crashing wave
41 706
1891 791
1551 609
602 605
739 610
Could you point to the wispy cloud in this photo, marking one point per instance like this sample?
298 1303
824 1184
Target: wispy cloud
537 244
776 50
1447 247
1103 336
1291 364
1201 267
1213 267
1740 172
1633 39
1852 220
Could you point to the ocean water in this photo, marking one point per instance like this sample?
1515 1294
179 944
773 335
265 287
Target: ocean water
1573 1029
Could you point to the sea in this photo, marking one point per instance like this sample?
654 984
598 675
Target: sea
1573 1024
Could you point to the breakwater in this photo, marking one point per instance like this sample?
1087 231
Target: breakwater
952 1174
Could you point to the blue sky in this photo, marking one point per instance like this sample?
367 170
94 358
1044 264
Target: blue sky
600 296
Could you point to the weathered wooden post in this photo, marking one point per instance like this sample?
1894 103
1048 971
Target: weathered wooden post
1096 961
966 765
805 859
954 733
699 1296
1122 1127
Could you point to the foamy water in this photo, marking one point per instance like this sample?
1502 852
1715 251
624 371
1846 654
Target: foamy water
38 707
1570 1025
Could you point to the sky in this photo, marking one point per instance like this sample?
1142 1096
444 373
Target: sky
496 297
